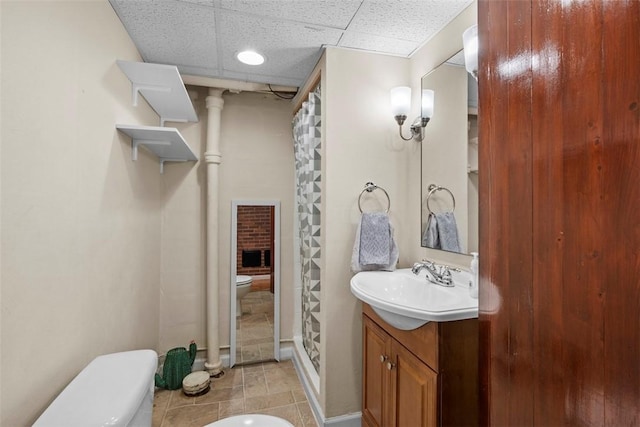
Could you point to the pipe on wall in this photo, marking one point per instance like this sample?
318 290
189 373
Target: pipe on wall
213 158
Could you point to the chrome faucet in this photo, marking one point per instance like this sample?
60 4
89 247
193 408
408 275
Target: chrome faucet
437 274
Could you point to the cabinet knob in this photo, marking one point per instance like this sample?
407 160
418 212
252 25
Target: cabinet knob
390 365
382 358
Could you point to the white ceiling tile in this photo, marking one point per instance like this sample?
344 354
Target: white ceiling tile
201 37
171 32
378 44
415 20
290 49
200 2
329 13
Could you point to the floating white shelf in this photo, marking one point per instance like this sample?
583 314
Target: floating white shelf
162 87
165 142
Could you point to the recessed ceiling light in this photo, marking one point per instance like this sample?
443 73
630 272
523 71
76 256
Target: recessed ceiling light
250 57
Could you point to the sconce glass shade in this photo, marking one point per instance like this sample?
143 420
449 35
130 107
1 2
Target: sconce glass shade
400 100
470 43
428 99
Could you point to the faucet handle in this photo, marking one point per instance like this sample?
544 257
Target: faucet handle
450 268
445 274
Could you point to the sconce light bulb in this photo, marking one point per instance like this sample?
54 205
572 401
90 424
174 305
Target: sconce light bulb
470 43
400 101
428 103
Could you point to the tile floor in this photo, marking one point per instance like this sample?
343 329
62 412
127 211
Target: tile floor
254 328
270 388
266 388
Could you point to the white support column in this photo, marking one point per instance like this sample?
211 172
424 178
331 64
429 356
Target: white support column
213 158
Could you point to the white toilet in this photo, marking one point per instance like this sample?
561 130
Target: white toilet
114 390
243 286
253 420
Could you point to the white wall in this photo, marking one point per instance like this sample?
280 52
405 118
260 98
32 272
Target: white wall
360 144
257 164
182 290
80 221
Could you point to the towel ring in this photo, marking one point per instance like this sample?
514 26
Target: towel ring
432 189
369 187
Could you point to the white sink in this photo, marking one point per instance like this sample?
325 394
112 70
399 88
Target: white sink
408 301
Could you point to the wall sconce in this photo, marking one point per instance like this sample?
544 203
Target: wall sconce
401 105
470 43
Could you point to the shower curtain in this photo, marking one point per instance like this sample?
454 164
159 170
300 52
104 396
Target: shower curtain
306 135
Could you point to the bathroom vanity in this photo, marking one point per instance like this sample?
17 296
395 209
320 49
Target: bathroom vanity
422 377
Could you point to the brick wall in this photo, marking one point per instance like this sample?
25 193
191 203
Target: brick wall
254 233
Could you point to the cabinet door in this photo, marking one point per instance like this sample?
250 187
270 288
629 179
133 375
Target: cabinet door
376 348
413 387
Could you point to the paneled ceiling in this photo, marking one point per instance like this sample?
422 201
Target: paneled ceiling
202 37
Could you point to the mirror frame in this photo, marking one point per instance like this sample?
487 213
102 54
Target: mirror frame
233 272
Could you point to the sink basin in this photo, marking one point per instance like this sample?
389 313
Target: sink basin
407 301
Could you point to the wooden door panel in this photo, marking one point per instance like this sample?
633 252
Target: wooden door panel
413 388
376 344
559 140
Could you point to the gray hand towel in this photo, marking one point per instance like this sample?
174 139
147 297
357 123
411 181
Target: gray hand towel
448 232
375 240
392 251
430 236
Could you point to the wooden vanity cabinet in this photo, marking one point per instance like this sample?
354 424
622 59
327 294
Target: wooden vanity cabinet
424 377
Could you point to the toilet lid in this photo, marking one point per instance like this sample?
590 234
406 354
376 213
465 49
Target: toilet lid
243 280
251 420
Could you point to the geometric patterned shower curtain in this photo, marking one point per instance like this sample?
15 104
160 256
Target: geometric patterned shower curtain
306 135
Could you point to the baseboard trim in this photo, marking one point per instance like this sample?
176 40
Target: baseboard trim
350 420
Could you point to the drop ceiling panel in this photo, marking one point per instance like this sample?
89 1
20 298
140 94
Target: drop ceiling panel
328 13
175 33
201 37
375 43
290 49
405 20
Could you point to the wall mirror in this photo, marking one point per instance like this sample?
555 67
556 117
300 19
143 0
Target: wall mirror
450 160
255 282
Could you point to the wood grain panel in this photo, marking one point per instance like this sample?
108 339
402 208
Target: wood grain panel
582 278
548 241
423 342
620 211
506 220
493 320
414 387
560 303
375 343
458 373
516 150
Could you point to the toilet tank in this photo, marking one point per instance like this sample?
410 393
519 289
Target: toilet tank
113 390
